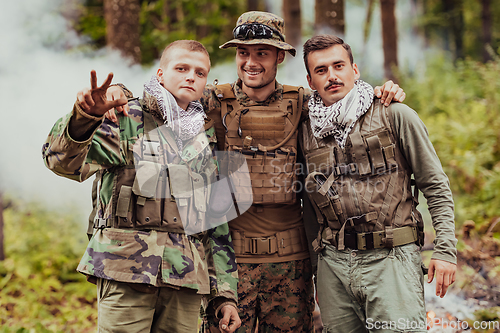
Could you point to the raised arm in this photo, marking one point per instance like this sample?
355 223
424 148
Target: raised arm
81 142
96 101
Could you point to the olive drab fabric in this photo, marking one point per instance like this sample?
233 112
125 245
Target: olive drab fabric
267 137
362 193
140 235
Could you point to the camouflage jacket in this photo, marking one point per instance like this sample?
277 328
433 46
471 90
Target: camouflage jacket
79 146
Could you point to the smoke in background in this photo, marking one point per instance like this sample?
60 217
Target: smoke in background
40 74
43 64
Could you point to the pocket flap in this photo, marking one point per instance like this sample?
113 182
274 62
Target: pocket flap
180 181
146 179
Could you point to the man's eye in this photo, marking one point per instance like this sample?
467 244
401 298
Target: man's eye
201 74
180 69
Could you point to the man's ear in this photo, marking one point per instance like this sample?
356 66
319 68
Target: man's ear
159 75
357 74
310 82
281 56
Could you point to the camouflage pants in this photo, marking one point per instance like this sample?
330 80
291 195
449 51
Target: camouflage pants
123 309
278 295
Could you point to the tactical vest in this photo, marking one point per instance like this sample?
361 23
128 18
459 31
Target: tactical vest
362 192
267 137
154 193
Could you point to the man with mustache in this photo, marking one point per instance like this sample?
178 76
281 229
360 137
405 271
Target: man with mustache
258 117
360 158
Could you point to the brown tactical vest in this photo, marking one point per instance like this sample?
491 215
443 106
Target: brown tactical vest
144 194
362 193
267 137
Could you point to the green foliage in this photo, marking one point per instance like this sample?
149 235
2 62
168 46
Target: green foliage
462 17
40 290
459 105
164 21
92 22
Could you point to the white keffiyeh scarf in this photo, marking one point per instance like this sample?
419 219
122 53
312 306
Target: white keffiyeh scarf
185 124
339 118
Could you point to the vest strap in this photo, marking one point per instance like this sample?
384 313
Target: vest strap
360 154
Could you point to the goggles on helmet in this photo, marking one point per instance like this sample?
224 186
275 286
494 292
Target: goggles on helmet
256 30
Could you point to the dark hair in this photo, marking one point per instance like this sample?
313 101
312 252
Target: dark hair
321 42
190 45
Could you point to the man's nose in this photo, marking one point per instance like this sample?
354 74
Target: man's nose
190 76
250 61
332 76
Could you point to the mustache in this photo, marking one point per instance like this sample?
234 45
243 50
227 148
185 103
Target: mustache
334 83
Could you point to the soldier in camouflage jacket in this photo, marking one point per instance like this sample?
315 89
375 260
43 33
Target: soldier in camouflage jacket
145 255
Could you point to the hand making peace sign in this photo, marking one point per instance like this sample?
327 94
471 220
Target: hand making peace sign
96 101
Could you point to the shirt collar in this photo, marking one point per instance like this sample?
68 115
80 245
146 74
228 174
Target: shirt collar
244 100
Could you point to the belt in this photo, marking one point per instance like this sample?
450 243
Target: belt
283 243
372 240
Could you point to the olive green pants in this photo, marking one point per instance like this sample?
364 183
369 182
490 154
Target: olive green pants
123 309
377 290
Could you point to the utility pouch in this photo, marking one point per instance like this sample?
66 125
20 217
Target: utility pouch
181 184
146 180
328 204
200 194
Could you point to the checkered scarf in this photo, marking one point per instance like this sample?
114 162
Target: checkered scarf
339 118
185 124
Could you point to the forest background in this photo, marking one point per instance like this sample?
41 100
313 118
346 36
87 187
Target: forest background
444 53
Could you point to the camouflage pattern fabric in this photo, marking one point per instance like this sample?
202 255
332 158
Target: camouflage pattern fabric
205 263
297 286
273 21
278 297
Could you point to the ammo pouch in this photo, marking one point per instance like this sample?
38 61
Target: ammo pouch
152 194
329 204
191 194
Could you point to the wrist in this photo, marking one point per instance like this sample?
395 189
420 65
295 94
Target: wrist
222 305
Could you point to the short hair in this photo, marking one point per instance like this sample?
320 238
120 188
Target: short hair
190 45
321 42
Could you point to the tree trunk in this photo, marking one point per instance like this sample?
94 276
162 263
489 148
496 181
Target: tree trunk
389 37
252 5
293 22
169 15
368 21
487 24
203 30
122 27
454 8
2 253
329 17
425 27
